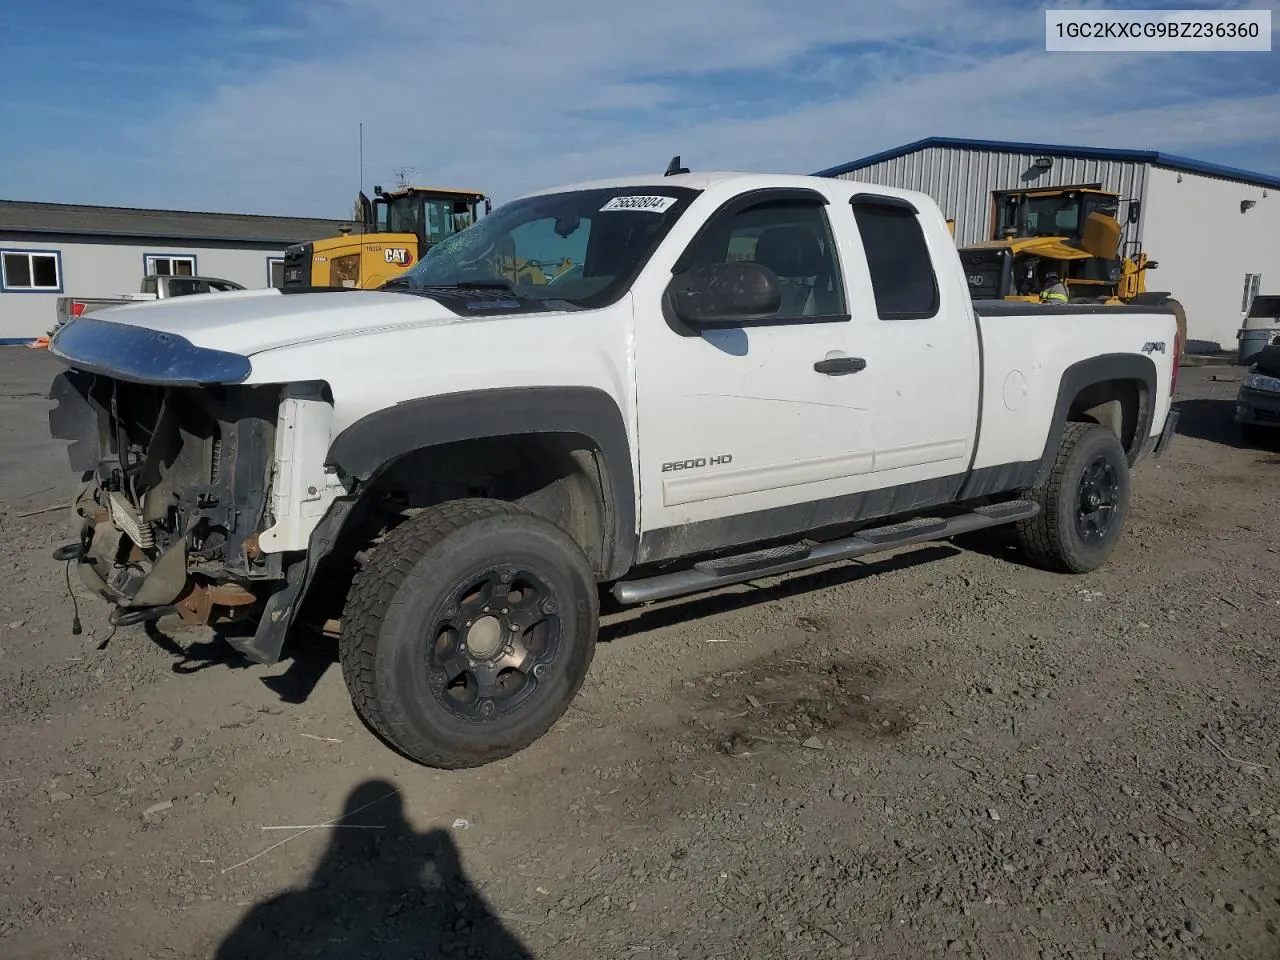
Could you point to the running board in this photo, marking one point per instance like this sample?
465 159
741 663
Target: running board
723 571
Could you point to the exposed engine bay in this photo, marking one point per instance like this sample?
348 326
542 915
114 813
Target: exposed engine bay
177 489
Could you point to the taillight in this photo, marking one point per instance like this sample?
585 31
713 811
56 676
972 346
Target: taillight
77 308
1177 360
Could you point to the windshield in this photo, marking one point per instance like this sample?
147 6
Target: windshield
1061 215
582 247
1052 216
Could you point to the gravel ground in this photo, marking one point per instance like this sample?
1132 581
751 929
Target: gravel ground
939 753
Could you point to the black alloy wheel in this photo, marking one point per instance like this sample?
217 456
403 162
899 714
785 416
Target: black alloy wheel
1099 490
497 636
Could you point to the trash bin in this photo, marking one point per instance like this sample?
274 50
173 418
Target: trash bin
1261 325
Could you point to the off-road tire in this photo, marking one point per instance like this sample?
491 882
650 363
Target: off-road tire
397 597
1051 539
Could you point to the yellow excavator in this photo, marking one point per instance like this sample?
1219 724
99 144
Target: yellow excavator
1071 231
393 232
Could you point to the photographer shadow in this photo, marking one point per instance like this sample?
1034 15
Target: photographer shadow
380 891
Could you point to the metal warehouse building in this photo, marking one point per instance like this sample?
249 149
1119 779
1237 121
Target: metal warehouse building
1214 230
50 249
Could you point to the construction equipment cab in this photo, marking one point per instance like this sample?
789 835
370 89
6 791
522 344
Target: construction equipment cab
395 230
1073 232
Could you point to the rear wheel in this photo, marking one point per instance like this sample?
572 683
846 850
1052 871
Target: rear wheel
468 632
1082 503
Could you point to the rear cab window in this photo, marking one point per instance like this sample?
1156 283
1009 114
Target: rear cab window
901 269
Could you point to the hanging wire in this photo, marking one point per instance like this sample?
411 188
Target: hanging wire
76 629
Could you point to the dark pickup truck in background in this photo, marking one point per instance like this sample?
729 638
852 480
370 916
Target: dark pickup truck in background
1258 400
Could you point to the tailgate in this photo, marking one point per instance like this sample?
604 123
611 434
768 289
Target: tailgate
68 307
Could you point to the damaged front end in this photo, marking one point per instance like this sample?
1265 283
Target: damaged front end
178 460
176 491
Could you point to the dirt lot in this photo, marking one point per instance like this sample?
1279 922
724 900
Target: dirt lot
942 753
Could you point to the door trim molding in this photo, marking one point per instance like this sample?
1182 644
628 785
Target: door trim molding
716 484
919 454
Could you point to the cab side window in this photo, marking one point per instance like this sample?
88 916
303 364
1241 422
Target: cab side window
902 274
793 239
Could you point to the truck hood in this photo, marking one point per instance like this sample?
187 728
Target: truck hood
252 321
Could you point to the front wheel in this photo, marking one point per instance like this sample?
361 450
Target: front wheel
1082 503
468 632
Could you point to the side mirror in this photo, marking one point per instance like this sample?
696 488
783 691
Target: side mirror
724 294
1135 210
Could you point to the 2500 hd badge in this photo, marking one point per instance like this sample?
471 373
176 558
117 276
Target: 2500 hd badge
719 461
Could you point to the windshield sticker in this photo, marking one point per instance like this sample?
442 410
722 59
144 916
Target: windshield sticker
649 204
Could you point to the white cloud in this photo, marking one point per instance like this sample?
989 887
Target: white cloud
1186 127
508 98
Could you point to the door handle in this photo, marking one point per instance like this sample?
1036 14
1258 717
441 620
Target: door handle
837 365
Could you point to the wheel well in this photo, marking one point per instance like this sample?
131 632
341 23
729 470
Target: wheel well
560 477
1119 405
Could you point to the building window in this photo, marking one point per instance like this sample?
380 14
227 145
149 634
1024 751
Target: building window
170 265
902 275
36 271
275 271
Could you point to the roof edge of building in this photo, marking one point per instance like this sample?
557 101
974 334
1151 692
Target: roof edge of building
1154 157
170 212
159 235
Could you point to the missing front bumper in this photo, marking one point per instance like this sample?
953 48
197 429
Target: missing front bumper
145 585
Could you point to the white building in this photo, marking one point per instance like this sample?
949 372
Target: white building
1214 230
51 249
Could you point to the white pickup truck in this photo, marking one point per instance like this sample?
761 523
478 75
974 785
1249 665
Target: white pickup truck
743 375
154 287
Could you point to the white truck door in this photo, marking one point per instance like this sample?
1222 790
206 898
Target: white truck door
922 338
774 413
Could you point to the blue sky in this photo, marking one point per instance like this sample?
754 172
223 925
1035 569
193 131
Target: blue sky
254 106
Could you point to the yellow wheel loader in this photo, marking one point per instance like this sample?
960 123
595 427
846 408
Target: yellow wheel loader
394 231
1071 231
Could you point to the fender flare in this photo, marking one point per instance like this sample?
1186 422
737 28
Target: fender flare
372 442
1085 373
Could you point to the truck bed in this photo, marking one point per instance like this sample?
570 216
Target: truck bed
1036 360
